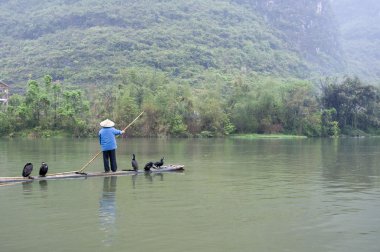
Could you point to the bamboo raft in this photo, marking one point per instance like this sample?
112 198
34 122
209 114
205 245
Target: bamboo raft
68 175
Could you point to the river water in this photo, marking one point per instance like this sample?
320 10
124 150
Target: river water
235 195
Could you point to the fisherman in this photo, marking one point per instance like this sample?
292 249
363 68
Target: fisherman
108 144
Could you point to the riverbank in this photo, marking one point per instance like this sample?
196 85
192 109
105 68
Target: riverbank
36 133
261 136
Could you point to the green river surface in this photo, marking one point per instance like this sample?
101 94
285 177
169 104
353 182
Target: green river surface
235 195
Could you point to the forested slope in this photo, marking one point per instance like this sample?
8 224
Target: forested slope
89 41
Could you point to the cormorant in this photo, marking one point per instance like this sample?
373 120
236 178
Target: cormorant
43 169
160 163
135 165
148 166
28 168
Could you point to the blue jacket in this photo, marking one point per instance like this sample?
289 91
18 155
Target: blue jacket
107 138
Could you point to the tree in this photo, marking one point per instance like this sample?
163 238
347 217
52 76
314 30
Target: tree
355 104
73 112
4 124
33 103
330 127
300 109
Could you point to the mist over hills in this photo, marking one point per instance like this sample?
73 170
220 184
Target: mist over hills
90 41
360 36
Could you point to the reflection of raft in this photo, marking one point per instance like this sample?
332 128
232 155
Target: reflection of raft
163 169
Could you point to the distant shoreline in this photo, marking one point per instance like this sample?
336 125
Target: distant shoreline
267 136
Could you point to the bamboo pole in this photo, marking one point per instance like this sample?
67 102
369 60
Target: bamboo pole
97 154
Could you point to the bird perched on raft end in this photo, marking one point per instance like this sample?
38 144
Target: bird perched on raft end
43 169
159 163
28 168
135 165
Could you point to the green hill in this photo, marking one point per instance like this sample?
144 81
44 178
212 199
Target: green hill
90 41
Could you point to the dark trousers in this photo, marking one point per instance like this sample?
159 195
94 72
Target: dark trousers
109 157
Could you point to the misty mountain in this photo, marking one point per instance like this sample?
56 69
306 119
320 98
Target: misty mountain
360 32
90 41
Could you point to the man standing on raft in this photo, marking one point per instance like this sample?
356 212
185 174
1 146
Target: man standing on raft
108 145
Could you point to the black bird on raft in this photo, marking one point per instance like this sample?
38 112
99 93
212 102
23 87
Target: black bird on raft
159 163
43 169
135 165
148 166
28 168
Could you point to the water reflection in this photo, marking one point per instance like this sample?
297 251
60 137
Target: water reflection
149 176
107 210
134 176
30 189
27 187
43 185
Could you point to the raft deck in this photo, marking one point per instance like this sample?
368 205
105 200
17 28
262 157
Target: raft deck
65 175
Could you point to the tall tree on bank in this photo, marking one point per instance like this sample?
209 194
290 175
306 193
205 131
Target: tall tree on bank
356 105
